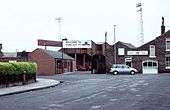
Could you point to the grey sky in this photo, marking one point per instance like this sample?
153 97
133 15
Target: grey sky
22 22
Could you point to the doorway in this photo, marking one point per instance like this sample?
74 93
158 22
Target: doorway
98 64
150 67
128 61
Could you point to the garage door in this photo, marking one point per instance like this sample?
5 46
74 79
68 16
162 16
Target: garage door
150 67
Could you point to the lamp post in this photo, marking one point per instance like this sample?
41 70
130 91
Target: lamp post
115 44
62 55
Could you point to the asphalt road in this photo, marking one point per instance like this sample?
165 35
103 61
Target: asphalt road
82 91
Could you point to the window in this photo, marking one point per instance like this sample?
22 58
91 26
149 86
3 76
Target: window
167 62
168 44
145 64
150 64
121 51
152 51
154 64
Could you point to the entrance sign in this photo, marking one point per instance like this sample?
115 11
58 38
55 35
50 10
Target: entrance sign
137 52
49 43
77 44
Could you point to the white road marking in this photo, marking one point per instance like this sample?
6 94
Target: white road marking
134 89
138 95
112 100
142 81
52 105
145 84
96 107
104 95
134 85
64 90
59 105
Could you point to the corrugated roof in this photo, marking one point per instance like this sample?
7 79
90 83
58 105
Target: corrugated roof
57 54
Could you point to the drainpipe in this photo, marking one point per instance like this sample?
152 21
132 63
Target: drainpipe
55 65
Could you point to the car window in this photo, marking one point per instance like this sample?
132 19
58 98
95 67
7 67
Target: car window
114 66
126 66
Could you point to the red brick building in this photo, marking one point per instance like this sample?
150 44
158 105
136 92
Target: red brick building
50 62
151 58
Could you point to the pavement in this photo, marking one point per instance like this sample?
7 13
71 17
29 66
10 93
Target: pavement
40 84
78 72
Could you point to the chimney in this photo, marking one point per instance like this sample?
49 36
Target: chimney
0 47
162 27
1 54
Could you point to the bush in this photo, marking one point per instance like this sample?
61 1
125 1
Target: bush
17 68
7 69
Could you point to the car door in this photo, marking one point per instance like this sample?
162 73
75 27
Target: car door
121 69
125 69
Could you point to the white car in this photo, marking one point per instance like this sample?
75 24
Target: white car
122 68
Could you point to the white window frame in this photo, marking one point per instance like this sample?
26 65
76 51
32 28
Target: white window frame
150 49
167 66
167 39
147 61
121 51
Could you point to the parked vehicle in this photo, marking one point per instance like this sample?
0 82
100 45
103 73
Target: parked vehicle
122 68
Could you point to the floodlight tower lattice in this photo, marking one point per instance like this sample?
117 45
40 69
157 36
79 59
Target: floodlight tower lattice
59 19
140 11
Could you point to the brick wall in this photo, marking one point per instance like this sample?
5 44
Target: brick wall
160 53
45 63
109 54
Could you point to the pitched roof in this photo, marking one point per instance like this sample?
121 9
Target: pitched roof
57 54
128 44
166 34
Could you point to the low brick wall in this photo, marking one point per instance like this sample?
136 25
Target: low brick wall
15 80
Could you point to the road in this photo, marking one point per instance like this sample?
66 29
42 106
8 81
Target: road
96 92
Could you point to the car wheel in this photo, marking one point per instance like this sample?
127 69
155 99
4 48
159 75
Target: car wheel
115 72
132 72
